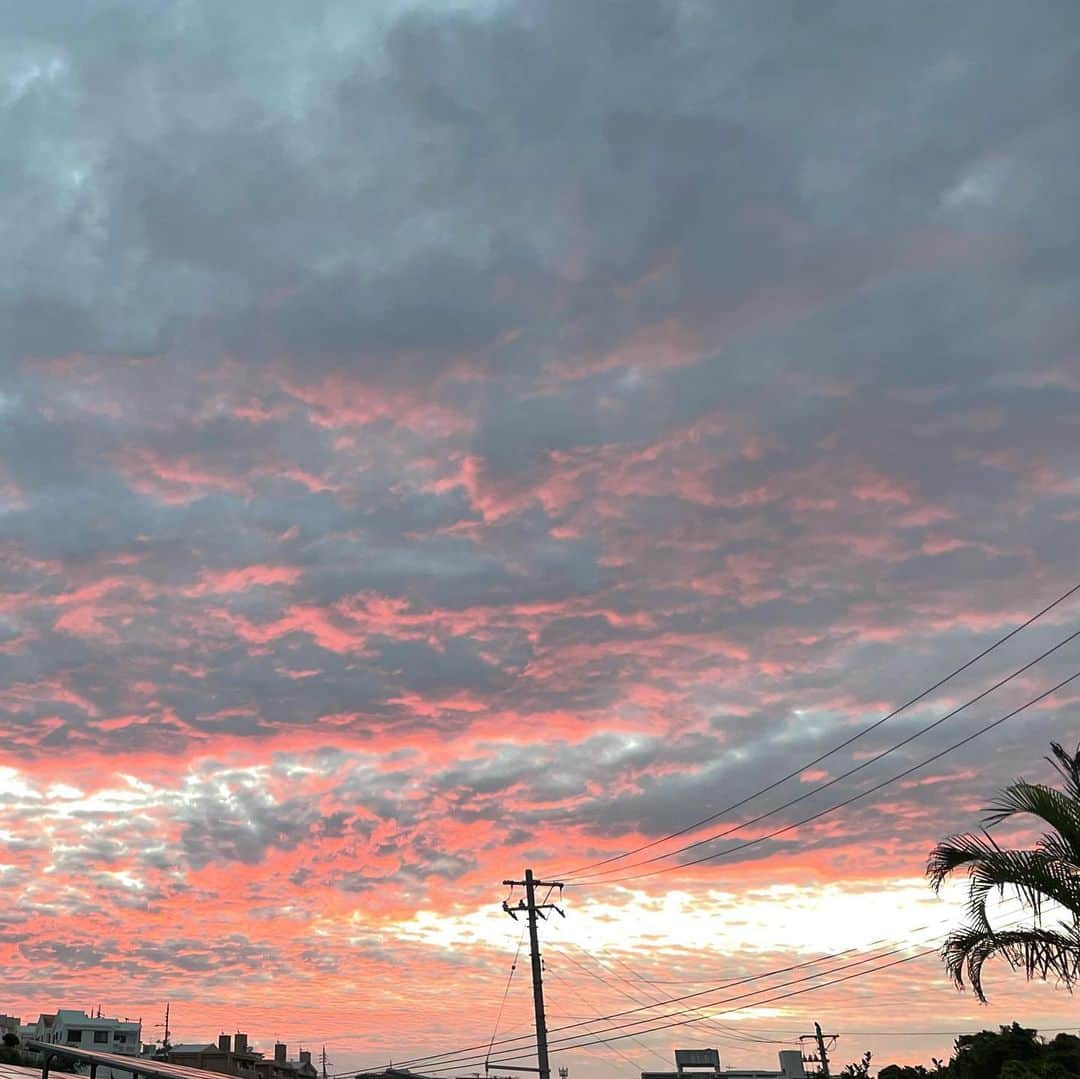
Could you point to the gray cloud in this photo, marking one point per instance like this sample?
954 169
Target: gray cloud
618 345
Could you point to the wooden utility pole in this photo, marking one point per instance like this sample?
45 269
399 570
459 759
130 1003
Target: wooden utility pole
534 910
821 1058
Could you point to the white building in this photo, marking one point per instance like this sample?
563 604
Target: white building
79 1030
705 1064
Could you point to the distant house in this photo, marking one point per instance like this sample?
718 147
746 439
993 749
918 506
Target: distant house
705 1064
41 1030
67 1026
70 1027
283 1068
223 1057
231 1055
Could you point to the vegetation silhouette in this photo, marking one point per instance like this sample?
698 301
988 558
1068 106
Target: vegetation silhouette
1012 1052
1048 872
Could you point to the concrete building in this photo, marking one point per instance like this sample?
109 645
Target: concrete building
67 1026
705 1064
70 1027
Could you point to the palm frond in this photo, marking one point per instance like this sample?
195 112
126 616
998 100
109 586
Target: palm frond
956 851
1067 765
1048 872
1050 806
1042 953
1035 875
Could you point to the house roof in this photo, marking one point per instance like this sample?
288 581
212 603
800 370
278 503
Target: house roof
80 1018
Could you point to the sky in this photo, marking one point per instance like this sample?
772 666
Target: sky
439 439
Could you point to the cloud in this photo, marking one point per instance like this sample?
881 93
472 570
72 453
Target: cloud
439 438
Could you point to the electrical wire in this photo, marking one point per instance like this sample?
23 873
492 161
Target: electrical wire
434 1060
565 1044
717 1030
506 989
901 775
578 870
851 771
740 1036
935 1033
839 805
686 996
586 999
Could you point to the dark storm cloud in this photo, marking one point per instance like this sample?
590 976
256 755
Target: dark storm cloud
203 180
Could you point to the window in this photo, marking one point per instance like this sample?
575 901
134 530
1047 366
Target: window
101 1036
74 1035
119 1037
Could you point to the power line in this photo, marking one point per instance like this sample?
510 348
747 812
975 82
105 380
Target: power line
657 1001
410 1062
913 1033
937 1033
740 1036
851 771
446 1060
689 996
745 996
839 805
506 989
586 999
561 1043
623 993
901 775
564 1044
577 870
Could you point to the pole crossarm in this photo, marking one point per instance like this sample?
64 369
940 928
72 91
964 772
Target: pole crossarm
523 907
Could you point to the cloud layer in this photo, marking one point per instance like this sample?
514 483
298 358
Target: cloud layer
440 438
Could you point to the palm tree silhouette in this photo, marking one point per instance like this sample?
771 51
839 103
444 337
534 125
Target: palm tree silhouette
1049 872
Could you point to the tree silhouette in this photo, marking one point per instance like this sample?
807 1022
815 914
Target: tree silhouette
1048 872
859 1069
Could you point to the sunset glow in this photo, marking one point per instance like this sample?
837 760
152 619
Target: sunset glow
439 439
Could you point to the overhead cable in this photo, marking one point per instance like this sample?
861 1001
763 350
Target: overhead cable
578 870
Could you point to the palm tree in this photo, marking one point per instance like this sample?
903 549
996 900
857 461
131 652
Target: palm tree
1047 873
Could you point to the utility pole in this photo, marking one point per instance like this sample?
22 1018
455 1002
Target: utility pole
535 910
821 1058
322 1059
165 1044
